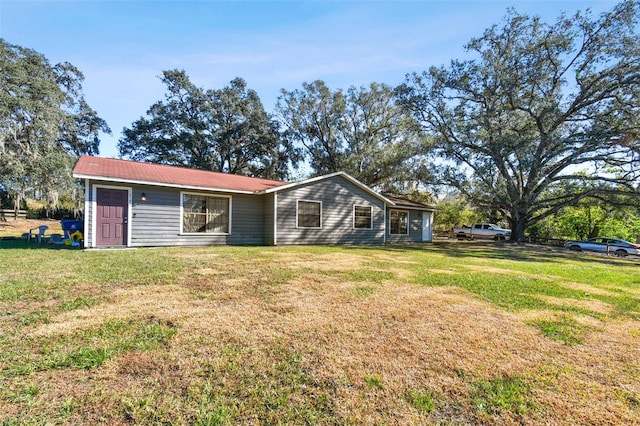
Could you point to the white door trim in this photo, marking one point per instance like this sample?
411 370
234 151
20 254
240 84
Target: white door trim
94 208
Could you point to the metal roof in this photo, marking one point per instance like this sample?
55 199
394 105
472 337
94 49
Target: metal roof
99 168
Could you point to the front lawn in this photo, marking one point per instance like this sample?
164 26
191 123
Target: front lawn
445 333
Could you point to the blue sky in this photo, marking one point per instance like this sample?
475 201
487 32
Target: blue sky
122 46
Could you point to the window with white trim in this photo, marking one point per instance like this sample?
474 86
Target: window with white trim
362 217
309 214
398 222
205 214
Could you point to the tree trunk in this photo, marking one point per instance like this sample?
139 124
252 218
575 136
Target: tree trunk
518 227
16 206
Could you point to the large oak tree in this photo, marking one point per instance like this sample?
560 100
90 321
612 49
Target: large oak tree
362 131
45 123
540 116
224 130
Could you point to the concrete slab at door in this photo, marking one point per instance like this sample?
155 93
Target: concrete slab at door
111 217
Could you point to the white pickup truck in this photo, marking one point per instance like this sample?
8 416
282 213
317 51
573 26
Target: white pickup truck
481 230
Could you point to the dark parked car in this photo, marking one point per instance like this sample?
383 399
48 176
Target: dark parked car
605 245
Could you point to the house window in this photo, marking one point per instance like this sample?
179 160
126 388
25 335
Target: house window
205 214
362 217
309 214
398 222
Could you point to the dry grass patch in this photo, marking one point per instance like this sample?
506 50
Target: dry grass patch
598 307
488 269
591 377
610 290
165 302
328 336
588 289
344 262
442 271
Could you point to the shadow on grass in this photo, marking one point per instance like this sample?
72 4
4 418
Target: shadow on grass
19 243
497 250
501 251
516 290
530 253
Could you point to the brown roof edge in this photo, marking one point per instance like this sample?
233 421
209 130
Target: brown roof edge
404 202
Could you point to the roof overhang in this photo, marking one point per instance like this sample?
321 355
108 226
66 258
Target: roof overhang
166 185
421 209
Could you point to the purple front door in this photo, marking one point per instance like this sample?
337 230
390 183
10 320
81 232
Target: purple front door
111 217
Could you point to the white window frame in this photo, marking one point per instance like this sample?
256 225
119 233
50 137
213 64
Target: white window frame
370 216
297 210
209 195
408 220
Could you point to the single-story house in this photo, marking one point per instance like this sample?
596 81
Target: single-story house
133 204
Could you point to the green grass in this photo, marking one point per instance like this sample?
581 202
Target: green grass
64 271
88 348
423 400
565 329
525 278
212 410
374 381
502 394
279 387
364 291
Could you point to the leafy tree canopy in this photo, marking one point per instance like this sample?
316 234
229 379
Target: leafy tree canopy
363 132
536 104
454 211
44 123
591 217
224 130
